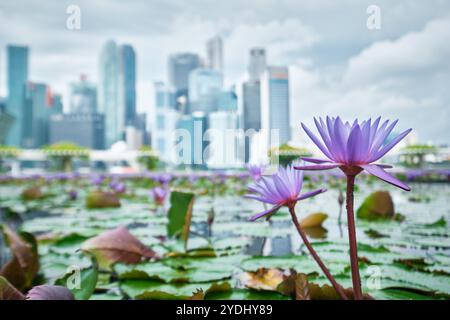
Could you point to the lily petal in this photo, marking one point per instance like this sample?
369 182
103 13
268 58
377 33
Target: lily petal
315 160
390 145
266 212
383 175
384 166
318 167
311 194
258 198
316 141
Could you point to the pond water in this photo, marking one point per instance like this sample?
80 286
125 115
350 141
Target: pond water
399 260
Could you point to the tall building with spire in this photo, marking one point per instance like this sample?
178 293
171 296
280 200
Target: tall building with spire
251 92
257 64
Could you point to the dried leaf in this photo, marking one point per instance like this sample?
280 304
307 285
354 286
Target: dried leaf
302 287
198 295
117 245
264 279
8 292
24 265
295 285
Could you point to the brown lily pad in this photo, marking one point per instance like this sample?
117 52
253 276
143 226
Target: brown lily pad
100 200
118 245
24 265
32 193
8 291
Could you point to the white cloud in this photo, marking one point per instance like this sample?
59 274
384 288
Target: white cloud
417 52
404 79
284 41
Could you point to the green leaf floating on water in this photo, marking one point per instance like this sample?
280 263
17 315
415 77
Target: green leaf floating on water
180 215
246 294
182 269
141 289
81 282
377 206
438 223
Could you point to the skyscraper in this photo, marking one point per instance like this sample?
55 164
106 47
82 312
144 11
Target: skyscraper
205 87
275 105
225 143
110 94
257 64
252 105
251 111
164 96
83 97
165 119
117 89
228 101
214 53
190 144
17 74
39 105
84 129
128 66
180 65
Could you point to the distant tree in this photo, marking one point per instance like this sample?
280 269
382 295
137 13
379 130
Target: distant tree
148 158
286 154
62 155
7 152
414 155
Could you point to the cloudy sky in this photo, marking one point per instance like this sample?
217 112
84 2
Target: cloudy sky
338 66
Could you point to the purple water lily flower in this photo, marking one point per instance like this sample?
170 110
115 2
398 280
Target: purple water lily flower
164 178
159 195
354 147
281 189
117 186
255 171
97 180
73 195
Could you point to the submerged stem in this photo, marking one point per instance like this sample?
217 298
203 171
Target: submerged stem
352 238
313 252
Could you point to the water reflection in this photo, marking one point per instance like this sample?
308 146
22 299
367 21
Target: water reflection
280 246
256 246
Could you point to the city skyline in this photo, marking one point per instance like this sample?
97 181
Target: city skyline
337 66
